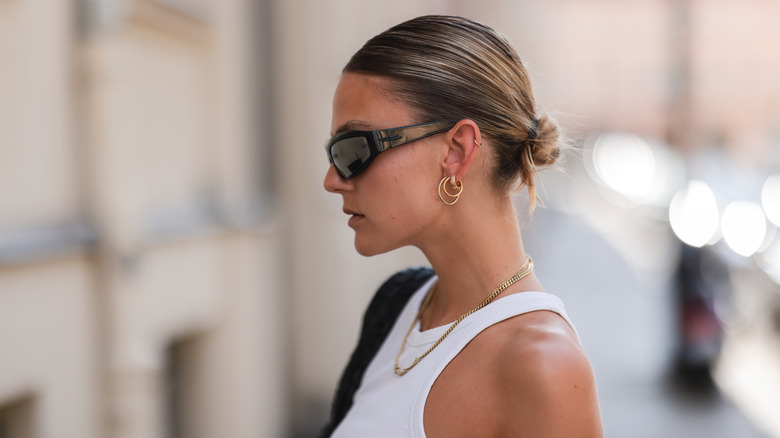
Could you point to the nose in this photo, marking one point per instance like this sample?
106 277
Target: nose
334 183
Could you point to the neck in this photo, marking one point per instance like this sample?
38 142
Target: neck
487 250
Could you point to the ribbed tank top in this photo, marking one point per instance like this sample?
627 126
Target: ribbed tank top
386 405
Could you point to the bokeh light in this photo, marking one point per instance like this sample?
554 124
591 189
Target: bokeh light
626 164
770 199
694 214
744 227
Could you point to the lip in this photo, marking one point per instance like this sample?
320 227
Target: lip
355 217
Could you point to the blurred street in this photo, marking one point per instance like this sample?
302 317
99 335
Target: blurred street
625 316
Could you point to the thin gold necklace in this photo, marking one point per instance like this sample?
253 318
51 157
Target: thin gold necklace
526 269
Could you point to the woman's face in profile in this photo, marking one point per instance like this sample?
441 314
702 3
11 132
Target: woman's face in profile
394 201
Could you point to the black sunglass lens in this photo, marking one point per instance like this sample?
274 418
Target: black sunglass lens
350 154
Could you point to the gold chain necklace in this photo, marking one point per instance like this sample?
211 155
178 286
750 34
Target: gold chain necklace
526 269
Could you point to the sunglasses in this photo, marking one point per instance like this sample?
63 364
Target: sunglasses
351 152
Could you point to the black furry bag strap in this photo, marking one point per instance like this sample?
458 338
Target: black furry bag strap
387 304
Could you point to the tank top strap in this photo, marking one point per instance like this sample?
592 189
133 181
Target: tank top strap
514 305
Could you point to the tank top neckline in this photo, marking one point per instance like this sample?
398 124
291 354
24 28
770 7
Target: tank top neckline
419 337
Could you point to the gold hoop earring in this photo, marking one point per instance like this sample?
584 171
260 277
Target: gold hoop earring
457 186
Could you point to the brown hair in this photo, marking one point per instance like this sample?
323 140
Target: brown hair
450 68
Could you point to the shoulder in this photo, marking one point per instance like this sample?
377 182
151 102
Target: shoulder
536 348
542 378
535 337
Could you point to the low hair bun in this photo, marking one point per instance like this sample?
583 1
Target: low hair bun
539 148
545 147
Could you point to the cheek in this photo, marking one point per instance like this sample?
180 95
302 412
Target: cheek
419 196
405 180
413 205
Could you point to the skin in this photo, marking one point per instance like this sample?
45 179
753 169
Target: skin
524 377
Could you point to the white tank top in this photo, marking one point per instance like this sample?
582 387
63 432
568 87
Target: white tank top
389 406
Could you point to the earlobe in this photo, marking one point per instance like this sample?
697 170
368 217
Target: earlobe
464 141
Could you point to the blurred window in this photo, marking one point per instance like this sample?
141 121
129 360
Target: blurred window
16 419
181 387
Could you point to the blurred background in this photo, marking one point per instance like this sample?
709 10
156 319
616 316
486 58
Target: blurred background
170 265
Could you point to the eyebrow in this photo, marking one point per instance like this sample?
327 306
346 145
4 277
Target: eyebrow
353 125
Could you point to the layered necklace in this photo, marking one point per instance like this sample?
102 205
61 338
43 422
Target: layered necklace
526 269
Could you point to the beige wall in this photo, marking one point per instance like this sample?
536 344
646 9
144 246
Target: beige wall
36 42
48 344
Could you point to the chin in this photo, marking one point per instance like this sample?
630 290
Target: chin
371 248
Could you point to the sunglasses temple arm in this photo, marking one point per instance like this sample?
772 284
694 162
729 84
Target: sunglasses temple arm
390 138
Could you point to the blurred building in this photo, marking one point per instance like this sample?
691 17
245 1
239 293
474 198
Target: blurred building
170 265
139 256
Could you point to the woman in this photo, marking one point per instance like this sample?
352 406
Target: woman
434 125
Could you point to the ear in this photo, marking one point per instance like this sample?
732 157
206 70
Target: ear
463 142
